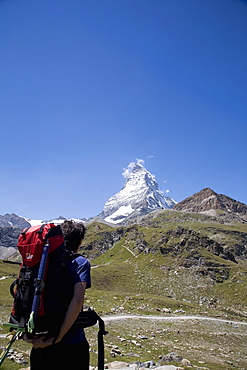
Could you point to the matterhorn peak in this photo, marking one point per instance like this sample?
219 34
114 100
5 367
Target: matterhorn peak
139 196
133 168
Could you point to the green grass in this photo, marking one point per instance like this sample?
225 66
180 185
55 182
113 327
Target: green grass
127 279
197 341
10 365
6 301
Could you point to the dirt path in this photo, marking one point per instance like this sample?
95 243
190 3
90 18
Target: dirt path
170 318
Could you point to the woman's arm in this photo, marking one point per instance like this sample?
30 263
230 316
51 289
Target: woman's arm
73 311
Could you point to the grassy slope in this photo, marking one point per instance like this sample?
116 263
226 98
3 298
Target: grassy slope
127 280
123 268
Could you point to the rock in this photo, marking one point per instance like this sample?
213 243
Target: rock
132 354
142 337
171 357
16 357
136 343
147 364
166 367
179 311
121 339
185 362
166 310
115 351
116 365
19 361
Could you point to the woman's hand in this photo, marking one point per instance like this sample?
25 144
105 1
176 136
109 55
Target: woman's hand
38 342
27 338
42 342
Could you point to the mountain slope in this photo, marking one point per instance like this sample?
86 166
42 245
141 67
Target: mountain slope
139 196
210 202
173 253
13 220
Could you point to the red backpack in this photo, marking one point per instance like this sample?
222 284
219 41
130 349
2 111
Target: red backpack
43 254
32 240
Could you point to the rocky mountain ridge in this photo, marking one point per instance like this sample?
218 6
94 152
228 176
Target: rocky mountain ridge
13 220
210 202
8 240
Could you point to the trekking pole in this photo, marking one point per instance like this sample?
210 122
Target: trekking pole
7 348
39 286
101 351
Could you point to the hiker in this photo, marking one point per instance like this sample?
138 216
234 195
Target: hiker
69 348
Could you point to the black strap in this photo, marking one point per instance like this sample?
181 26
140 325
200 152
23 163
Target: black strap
11 288
40 231
25 230
24 316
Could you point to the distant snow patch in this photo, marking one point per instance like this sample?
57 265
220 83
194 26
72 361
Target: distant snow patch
57 221
34 222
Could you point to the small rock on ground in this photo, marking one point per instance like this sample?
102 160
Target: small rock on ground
166 367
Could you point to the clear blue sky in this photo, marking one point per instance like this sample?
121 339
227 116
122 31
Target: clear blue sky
86 87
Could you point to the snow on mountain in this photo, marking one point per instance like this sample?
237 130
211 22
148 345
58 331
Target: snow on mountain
34 222
57 221
140 195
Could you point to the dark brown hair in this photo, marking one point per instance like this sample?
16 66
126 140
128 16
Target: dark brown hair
73 233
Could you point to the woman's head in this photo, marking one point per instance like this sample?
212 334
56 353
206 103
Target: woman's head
73 233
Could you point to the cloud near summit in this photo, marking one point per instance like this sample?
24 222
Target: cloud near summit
127 171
